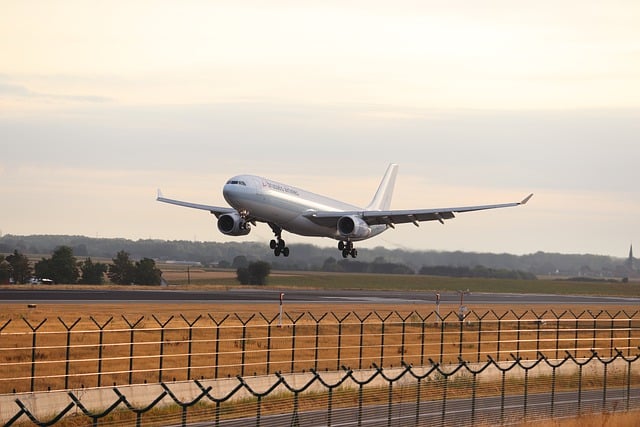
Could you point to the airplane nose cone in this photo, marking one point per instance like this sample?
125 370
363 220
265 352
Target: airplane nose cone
227 192
238 188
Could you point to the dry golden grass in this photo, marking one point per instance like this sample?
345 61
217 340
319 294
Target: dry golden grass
221 351
241 339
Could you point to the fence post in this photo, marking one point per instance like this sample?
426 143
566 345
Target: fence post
518 323
382 335
554 367
100 339
444 399
34 331
611 331
339 320
605 370
442 326
191 343
580 389
215 373
317 345
526 394
577 328
68 348
539 321
558 317
526 382
293 339
362 320
423 321
132 330
629 326
162 326
269 323
595 327
404 325
461 317
244 340
498 340
628 385
479 319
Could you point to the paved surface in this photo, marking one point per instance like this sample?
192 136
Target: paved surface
253 295
457 412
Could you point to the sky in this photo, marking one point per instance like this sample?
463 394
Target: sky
102 103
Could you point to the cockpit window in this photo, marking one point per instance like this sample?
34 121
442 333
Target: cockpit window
235 182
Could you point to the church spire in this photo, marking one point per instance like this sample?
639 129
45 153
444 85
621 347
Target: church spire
630 259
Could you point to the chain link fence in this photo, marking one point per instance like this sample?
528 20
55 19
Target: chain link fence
368 356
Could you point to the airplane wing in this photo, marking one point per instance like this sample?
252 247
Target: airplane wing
216 210
391 217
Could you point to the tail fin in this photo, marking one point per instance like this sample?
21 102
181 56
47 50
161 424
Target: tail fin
382 199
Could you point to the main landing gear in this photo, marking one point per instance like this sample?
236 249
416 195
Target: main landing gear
347 249
278 245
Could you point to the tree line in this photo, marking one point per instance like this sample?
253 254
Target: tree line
64 267
309 257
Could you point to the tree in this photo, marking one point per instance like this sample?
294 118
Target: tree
254 274
63 267
243 275
5 270
122 271
258 271
42 268
92 273
20 266
146 272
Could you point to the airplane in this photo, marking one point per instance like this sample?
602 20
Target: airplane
286 208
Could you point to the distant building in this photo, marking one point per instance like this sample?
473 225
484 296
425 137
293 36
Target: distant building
630 261
630 264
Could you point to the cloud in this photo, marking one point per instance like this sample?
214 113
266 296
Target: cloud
20 91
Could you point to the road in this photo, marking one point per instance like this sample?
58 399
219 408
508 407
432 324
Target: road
252 295
457 412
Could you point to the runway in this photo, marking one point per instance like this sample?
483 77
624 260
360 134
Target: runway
310 296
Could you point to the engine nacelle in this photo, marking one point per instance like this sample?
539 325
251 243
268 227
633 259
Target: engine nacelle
232 224
353 227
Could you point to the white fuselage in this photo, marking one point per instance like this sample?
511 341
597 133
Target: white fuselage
284 205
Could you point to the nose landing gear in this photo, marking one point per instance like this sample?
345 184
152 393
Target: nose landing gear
347 249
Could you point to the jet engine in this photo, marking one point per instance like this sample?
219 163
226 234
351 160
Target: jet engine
353 226
232 224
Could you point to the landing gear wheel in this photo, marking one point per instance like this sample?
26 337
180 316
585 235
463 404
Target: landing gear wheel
278 244
347 249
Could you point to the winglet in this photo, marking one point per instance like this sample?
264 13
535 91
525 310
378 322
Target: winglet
526 199
159 194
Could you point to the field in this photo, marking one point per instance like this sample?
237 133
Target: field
85 345
183 278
